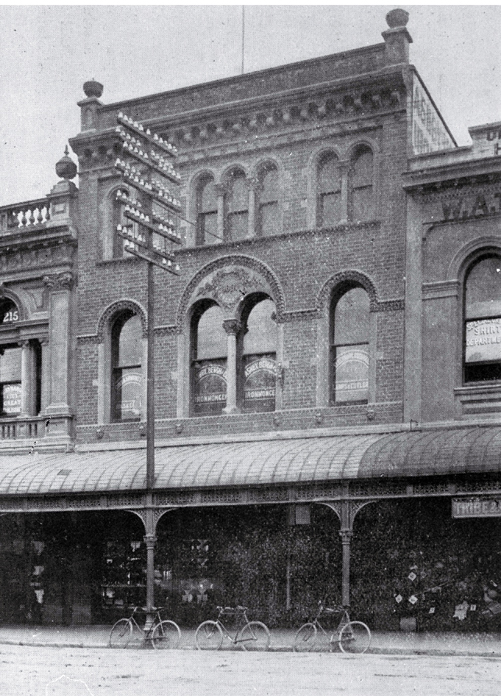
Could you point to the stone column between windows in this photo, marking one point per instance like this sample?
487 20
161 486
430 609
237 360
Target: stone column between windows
26 379
344 168
220 190
45 368
232 327
253 185
60 286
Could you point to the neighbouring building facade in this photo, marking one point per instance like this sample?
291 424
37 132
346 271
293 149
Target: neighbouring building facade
327 362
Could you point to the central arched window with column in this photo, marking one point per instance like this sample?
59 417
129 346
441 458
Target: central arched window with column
350 336
209 348
258 351
206 202
237 206
329 207
126 367
482 320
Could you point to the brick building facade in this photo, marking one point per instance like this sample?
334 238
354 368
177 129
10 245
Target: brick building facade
313 426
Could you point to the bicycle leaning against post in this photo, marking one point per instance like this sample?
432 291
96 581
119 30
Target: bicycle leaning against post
351 636
162 634
251 635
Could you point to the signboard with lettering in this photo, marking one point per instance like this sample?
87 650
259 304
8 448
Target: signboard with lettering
209 387
483 340
11 394
476 507
259 383
351 374
429 133
129 391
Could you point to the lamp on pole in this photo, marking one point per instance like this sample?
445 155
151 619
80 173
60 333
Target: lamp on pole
147 168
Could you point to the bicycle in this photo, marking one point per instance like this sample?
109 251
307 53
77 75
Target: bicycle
162 634
251 635
351 636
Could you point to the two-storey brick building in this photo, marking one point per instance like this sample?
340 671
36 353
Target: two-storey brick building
318 420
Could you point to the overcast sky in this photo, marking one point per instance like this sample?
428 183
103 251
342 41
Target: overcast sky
48 51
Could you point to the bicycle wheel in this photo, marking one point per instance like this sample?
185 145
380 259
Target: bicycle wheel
166 635
355 637
209 636
254 636
305 638
120 634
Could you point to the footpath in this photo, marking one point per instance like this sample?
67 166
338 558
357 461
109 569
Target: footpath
396 643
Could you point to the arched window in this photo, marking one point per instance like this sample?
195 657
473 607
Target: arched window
237 206
267 202
126 368
207 213
361 199
329 211
482 321
208 362
257 381
350 346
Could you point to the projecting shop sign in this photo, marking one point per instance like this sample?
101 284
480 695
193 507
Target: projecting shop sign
476 507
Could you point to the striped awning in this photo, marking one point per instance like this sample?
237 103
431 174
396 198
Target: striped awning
291 460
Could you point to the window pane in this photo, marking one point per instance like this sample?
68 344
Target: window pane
268 215
129 348
329 176
10 365
238 224
351 318
483 289
269 186
208 228
261 334
211 339
330 209
483 340
350 372
9 312
10 395
209 387
238 196
127 390
362 204
361 172
259 383
208 198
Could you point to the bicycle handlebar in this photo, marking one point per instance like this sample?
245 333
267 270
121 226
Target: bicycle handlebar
232 610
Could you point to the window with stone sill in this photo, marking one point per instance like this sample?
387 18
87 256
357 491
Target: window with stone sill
482 321
361 198
267 202
237 206
126 368
206 202
349 346
329 212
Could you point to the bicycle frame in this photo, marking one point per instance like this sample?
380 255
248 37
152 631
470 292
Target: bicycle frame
336 632
242 620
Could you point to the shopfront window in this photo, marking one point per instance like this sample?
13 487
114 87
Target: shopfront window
127 378
482 321
208 365
350 347
259 365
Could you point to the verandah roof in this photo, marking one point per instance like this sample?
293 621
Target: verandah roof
465 450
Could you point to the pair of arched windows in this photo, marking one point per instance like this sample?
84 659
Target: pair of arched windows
255 344
357 178
238 208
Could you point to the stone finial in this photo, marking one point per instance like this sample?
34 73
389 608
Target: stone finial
397 18
92 88
66 168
